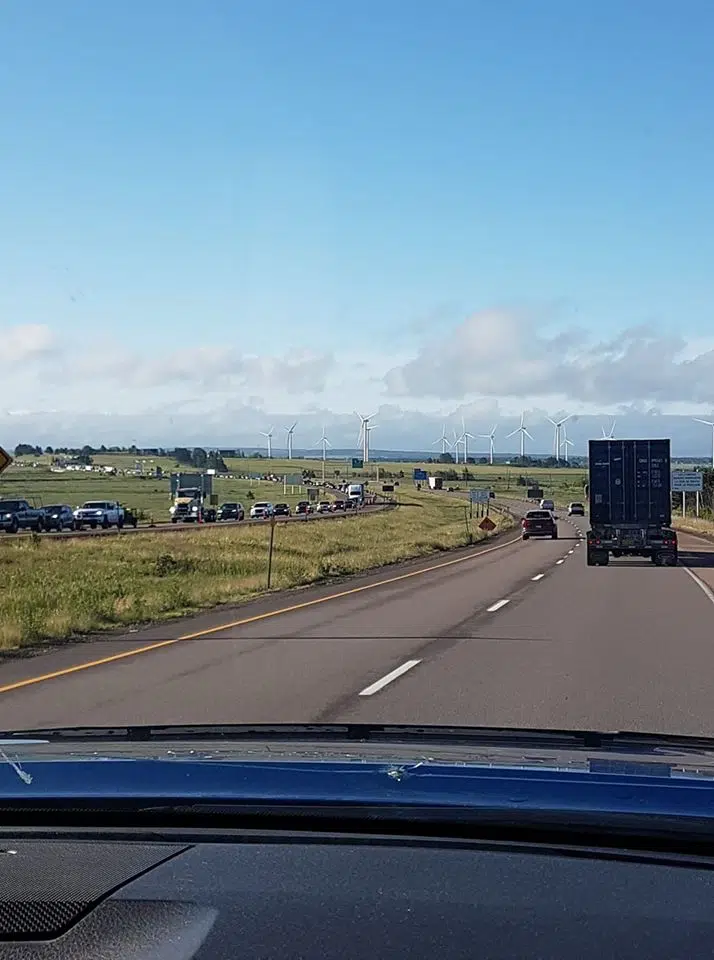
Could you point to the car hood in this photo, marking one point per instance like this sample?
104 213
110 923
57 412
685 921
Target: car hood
519 770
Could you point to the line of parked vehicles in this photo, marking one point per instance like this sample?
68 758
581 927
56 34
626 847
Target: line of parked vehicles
265 509
18 514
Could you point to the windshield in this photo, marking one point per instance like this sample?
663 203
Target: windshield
449 264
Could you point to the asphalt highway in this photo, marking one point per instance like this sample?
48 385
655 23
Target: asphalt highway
508 633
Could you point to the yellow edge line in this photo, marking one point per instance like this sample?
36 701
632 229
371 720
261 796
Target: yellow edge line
239 623
85 666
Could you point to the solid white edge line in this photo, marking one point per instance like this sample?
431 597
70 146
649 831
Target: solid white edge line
538 576
387 678
497 606
704 587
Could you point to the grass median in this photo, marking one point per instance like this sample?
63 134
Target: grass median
56 589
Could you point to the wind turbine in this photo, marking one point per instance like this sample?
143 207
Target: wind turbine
489 437
557 440
369 427
289 431
325 444
709 424
269 436
443 440
465 437
457 442
364 434
523 432
610 435
565 443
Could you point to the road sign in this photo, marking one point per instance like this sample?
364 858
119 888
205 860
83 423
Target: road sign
480 496
487 524
294 479
420 475
5 459
687 481
357 464
312 493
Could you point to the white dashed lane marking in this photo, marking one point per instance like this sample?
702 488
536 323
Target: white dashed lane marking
559 561
538 576
497 605
388 678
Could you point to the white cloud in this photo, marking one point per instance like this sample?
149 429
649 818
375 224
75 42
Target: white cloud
505 354
28 342
486 369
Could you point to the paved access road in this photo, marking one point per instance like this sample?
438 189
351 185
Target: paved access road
509 634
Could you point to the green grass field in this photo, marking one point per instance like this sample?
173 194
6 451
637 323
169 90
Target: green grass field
150 496
57 589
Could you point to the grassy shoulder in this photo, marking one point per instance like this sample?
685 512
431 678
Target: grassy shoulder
695 525
55 589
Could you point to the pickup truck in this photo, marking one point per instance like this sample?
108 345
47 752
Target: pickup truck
19 515
99 513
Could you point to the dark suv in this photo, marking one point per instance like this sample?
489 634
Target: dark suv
539 523
231 511
282 510
59 517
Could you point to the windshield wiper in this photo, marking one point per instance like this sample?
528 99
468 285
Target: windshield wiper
514 737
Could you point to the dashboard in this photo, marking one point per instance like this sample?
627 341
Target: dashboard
192 894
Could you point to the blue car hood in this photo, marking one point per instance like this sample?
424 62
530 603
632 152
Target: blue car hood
413 767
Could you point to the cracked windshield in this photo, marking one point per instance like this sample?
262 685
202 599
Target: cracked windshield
358 364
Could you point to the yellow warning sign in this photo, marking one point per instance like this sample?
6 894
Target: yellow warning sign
5 459
487 524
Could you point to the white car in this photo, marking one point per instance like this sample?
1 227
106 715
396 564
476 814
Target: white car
99 513
262 510
576 509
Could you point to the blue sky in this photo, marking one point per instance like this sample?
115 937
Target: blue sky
278 174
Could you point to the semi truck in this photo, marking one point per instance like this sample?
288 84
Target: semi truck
355 492
630 501
192 498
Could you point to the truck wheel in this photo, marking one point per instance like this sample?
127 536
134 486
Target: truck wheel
617 553
174 520
14 525
39 526
525 536
105 522
604 560
591 561
554 535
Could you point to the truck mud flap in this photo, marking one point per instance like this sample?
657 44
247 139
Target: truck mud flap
597 558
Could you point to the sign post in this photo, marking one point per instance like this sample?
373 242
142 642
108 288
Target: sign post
270 548
687 481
